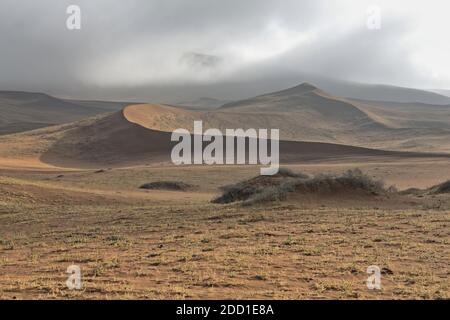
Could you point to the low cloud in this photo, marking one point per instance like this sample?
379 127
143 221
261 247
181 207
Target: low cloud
150 49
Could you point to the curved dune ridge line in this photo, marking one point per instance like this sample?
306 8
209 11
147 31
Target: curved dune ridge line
160 117
332 126
141 134
137 134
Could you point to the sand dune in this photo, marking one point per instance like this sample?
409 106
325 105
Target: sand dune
139 135
314 126
161 117
302 113
306 113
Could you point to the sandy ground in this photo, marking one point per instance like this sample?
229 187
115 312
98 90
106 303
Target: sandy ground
132 243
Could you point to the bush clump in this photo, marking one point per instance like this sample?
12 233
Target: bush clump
441 188
260 188
353 179
167 185
285 172
277 187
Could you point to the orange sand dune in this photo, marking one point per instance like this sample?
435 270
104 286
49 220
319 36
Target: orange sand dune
161 117
140 135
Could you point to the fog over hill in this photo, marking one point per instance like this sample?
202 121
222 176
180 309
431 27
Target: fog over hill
156 51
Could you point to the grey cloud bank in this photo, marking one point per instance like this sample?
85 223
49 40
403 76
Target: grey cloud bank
171 50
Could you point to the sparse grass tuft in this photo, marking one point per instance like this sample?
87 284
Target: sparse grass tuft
7 244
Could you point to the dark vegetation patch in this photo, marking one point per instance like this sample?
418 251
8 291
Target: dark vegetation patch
437 189
441 188
167 185
285 172
277 187
414 191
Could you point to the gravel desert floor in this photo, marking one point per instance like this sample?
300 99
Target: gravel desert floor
152 244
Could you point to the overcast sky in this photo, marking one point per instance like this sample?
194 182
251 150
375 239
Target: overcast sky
134 48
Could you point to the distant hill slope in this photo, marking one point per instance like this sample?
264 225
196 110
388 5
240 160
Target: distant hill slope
22 111
383 92
124 139
313 125
106 105
307 113
203 103
442 92
408 115
248 86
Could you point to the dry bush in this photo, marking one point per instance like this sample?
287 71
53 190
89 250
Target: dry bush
167 185
441 188
277 187
285 172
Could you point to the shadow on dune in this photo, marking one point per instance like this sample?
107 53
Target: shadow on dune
111 140
114 141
